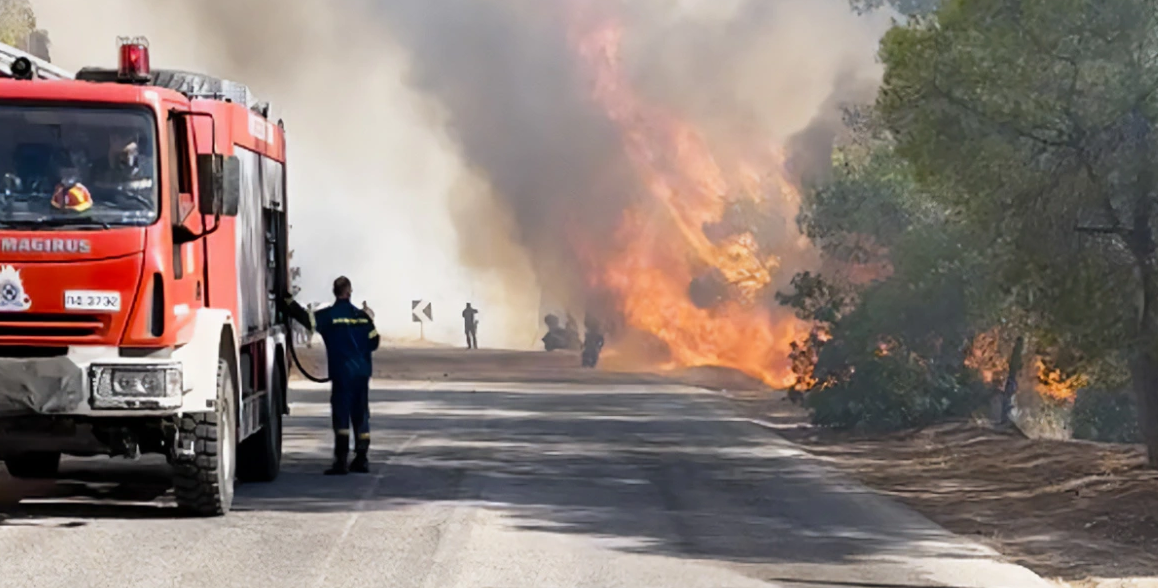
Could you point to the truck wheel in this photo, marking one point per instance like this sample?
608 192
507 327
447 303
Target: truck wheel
204 481
33 465
260 454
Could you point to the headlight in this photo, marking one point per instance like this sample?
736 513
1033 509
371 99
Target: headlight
136 386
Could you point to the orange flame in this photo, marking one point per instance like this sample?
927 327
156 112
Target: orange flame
1051 383
662 243
986 357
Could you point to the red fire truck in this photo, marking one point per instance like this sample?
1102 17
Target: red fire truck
143 256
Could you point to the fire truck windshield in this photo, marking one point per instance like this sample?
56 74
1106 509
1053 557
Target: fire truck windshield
64 166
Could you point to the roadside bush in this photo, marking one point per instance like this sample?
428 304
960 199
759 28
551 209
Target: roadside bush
1105 416
890 393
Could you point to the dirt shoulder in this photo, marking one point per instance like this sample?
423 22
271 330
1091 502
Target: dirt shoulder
1082 513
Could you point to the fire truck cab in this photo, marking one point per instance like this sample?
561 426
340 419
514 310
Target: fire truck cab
143 256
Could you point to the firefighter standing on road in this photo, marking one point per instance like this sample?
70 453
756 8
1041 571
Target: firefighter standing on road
592 342
350 339
471 326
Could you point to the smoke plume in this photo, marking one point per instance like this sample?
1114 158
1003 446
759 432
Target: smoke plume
371 174
749 74
450 150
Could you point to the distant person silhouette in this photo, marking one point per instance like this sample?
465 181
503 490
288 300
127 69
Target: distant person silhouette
470 324
592 342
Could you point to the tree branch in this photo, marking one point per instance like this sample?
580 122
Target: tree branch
1006 125
1099 186
1101 230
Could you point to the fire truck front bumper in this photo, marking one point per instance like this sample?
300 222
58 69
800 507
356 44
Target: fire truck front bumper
90 381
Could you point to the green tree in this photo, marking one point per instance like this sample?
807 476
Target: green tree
17 21
899 299
1034 122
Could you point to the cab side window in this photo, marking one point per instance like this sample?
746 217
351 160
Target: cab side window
185 170
179 170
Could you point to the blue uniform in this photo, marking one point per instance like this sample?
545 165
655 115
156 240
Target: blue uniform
350 339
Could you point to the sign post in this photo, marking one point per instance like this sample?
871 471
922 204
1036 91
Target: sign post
421 312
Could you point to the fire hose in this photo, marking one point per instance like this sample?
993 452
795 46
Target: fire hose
294 354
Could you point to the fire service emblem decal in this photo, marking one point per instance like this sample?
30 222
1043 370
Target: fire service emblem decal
12 296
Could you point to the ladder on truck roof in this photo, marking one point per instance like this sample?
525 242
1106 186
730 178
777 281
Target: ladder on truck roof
192 85
206 87
44 69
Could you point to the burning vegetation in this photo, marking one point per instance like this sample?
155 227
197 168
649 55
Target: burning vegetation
687 267
990 356
645 184
700 211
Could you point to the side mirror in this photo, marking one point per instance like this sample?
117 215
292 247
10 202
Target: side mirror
219 180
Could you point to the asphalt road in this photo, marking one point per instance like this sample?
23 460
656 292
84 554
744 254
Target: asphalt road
500 486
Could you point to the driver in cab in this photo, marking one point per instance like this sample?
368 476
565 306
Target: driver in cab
125 168
124 172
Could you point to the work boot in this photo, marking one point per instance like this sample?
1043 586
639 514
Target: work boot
341 452
361 464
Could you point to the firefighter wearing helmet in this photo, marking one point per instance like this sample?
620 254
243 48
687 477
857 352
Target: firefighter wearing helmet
123 171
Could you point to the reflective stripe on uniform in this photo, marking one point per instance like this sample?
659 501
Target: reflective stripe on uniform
363 435
373 333
343 431
351 321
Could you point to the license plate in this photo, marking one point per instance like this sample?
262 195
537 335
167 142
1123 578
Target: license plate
90 300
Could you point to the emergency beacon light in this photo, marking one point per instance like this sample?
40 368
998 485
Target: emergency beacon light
134 59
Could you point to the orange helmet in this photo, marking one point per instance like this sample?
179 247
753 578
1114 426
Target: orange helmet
72 196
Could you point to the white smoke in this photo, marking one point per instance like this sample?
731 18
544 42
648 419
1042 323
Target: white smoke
371 175
403 118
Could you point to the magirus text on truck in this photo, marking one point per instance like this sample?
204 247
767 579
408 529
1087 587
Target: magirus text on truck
143 249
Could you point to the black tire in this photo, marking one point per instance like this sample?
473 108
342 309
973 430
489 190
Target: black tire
259 457
35 465
203 482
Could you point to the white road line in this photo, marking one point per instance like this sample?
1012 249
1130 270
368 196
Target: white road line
358 509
